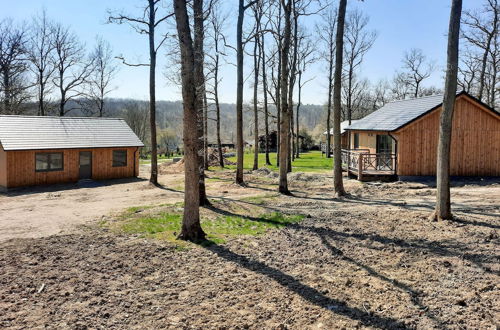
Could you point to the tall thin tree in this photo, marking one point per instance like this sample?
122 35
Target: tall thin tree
199 79
40 50
326 33
147 24
191 227
285 109
443 202
338 183
242 7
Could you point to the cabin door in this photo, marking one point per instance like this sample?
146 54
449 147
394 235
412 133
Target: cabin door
384 151
85 164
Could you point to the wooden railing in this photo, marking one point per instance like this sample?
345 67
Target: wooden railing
362 162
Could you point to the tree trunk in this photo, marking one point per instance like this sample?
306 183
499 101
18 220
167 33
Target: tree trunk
339 47
297 143
152 94
256 63
285 110
329 107
205 127
191 228
217 106
293 74
278 88
239 94
199 80
266 109
443 204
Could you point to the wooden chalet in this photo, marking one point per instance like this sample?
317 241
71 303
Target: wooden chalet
401 139
48 150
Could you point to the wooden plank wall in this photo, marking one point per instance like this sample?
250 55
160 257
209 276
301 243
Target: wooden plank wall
367 140
21 166
475 142
3 168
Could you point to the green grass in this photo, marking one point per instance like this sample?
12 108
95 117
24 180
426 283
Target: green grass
311 161
260 199
167 225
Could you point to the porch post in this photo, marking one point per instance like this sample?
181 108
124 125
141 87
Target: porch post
360 166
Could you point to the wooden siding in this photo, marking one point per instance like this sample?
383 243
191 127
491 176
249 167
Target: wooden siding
3 168
475 145
21 166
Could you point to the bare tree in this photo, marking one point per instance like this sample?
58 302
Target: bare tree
262 54
339 46
380 94
40 48
217 35
257 14
71 72
443 203
284 150
147 24
358 41
102 74
191 227
400 87
305 59
13 68
326 33
470 65
136 115
481 31
199 80
417 68
242 7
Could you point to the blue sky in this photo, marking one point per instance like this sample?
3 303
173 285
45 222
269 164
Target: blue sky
401 25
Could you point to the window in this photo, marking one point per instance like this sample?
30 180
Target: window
356 140
119 158
49 161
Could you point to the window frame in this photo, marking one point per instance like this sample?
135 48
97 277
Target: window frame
113 157
50 169
356 141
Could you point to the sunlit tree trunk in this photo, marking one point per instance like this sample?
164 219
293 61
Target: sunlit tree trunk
191 227
285 109
443 203
339 47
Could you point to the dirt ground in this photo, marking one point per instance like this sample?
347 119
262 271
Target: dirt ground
371 260
41 211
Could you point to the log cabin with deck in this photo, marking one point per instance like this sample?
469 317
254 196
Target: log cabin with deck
400 140
48 150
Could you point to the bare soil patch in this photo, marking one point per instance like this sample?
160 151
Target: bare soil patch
372 260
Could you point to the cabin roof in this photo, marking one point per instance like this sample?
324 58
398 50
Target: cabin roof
397 114
343 126
35 133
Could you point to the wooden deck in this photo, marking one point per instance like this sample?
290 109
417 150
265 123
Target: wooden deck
368 167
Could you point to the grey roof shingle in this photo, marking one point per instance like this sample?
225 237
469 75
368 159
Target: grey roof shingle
396 114
35 133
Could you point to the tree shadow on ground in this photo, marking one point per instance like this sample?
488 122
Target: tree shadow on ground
436 248
306 292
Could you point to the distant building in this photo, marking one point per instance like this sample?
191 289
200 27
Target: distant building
401 139
48 150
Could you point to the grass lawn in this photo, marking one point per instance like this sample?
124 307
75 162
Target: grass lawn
311 161
166 223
